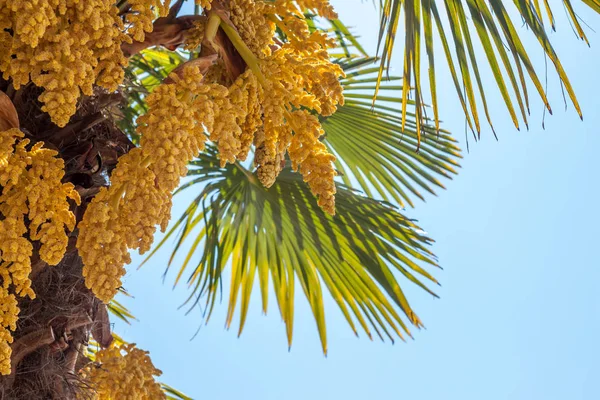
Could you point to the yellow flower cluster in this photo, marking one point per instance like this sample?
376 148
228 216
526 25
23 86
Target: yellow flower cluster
123 372
270 105
194 36
298 78
31 186
204 3
106 231
312 158
251 18
239 118
321 8
268 160
8 322
67 46
142 13
125 216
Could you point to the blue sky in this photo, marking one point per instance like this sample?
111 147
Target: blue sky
515 232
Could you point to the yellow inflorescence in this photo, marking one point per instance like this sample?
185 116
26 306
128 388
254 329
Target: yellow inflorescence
272 105
67 46
251 18
311 156
194 36
298 78
31 187
9 313
237 121
321 8
204 3
125 216
142 14
123 372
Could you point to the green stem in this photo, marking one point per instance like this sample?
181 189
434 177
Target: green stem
251 60
212 26
146 162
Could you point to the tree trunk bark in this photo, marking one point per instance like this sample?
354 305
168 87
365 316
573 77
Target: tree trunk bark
53 330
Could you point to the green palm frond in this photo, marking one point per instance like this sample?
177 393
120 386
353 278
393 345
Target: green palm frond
375 155
505 52
279 235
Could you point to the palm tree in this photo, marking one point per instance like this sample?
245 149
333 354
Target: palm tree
388 154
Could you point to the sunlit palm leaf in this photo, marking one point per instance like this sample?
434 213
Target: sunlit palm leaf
237 227
345 38
498 36
374 154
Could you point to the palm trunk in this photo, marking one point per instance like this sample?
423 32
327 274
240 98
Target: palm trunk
54 329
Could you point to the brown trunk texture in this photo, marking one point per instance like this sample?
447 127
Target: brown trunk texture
53 330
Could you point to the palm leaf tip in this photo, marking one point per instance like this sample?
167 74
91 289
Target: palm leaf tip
497 33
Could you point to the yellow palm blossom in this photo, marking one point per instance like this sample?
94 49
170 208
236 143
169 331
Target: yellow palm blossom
31 187
123 372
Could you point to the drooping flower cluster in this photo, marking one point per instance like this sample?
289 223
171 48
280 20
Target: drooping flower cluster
251 19
67 46
240 112
9 313
141 15
296 80
125 216
30 186
272 105
321 8
123 372
194 36
300 78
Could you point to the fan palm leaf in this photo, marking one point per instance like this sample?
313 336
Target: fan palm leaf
279 235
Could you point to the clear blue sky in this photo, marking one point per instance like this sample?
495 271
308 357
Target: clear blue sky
516 233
